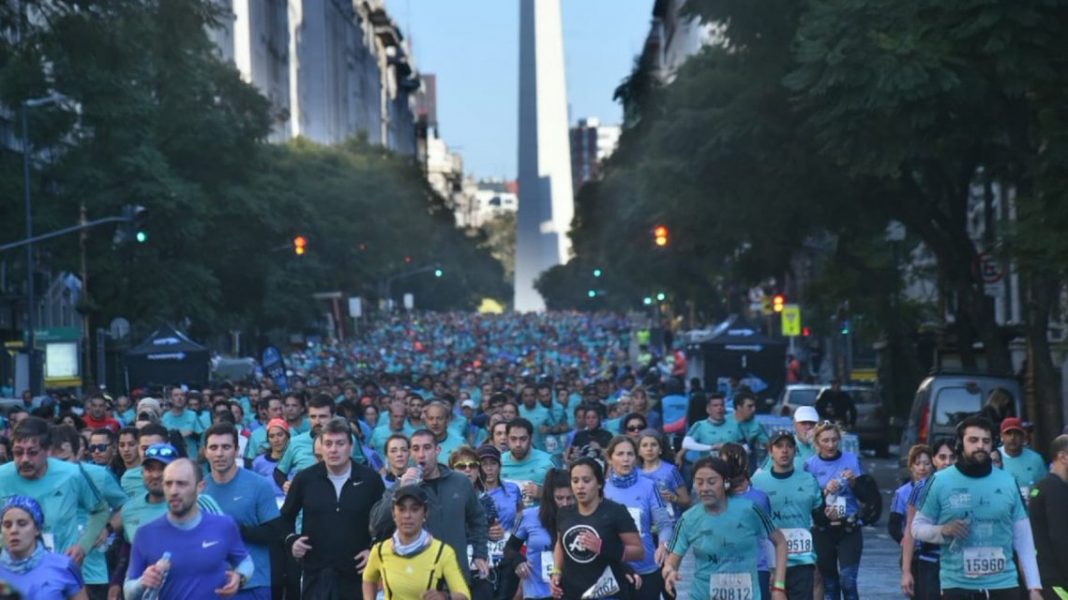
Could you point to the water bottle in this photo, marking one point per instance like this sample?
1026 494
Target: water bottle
419 469
662 487
163 564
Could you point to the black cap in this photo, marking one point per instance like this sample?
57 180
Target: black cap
782 434
410 491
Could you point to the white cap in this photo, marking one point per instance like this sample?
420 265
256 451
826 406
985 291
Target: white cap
469 404
806 413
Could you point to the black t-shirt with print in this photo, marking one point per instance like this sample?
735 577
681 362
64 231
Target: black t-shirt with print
583 569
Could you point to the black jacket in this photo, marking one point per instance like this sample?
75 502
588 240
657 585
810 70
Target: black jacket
337 530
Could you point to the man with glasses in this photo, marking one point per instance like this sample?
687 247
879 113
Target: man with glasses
59 487
101 451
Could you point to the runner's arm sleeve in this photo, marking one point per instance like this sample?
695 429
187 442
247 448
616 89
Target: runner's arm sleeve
246 567
96 523
1023 542
453 577
268 532
688 443
381 517
132 589
896 526
926 530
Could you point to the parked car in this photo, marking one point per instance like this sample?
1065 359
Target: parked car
944 399
872 426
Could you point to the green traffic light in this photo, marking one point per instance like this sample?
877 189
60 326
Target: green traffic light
438 272
647 301
592 293
660 296
596 272
141 237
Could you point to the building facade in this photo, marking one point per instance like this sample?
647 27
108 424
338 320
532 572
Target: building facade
591 144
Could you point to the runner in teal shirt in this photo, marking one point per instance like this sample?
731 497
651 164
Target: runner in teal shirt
711 433
724 534
975 512
523 465
1023 463
794 495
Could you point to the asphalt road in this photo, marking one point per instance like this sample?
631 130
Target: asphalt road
880 575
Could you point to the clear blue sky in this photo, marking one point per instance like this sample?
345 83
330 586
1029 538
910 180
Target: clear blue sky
473 48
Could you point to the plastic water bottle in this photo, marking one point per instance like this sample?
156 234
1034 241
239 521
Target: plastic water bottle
419 470
662 487
163 564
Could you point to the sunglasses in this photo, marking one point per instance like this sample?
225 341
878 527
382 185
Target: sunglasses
99 447
635 427
463 466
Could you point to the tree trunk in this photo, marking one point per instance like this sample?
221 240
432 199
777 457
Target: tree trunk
1043 406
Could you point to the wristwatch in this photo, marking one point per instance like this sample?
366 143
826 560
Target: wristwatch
242 580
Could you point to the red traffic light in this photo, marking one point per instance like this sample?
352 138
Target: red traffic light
660 235
300 243
778 301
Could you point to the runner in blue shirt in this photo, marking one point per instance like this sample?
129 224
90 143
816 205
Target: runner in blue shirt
655 465
641 498
536 529
920 561
250 500
26 565
737 459
919 462
975 512
838 542
724 534
207 557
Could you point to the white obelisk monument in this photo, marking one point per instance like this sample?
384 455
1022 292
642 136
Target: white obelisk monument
546 205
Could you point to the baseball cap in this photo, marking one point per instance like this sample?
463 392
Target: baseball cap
805 414
410 491
488 451
164 453
277 423
1012 424
780 435
469 404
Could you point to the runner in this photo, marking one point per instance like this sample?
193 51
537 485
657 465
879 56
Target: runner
1024 464
594 539
837 537
795 496
411 563
975 512
524 464
30 568
1049 522
250 500
724 534
204 553
920 561
656 465
334 540
536 530
639 495
709 434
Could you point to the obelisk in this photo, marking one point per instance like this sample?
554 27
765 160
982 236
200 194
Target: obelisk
546 205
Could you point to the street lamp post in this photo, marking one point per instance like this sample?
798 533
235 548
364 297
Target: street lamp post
31 302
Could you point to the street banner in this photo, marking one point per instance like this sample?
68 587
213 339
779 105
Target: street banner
275 367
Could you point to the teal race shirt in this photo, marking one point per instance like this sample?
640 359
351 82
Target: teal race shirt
1027 469
532 468
137 511
990 505
94 567
61 493
707 432
185 421
793 497
725 549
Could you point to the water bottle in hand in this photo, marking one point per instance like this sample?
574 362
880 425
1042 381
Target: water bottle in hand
164 565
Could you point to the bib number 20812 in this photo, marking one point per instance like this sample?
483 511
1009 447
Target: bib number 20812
731 586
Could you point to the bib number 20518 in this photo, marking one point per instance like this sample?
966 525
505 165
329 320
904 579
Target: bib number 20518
980 561
731 586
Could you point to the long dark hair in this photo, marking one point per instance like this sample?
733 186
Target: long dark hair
598 471
554 480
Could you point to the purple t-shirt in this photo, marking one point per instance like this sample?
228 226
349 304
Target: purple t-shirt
56 577
200 556
825 470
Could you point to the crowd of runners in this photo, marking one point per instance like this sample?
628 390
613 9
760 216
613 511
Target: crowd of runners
494 458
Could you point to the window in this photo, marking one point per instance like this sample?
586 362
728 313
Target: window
954 403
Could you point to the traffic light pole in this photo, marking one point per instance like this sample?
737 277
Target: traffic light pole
387 285
30 240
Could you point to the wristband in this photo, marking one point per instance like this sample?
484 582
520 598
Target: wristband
776 588
779 583
556 571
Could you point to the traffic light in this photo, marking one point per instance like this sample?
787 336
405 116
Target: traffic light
778 302
845 327
660 236
592 293
648 301
597 272
133 225
300 244
660 296
438 272
805 331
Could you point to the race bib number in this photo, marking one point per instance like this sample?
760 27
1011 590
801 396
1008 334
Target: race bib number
798 541
495 550
731 586
838 508
49 541
983 560
548 563
636 516
280 500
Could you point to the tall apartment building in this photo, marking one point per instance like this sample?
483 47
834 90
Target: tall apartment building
332 69
591 144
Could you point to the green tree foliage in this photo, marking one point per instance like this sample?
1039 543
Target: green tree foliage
157 119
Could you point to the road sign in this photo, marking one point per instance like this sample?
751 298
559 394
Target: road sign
990 269
791 320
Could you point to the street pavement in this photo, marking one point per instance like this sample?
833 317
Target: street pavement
880 575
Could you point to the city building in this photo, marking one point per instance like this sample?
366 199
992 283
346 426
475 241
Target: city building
591 144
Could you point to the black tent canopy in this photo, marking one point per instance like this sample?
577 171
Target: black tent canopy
736 350
167 357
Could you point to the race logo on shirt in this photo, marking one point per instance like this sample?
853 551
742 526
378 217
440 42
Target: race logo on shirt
574 548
